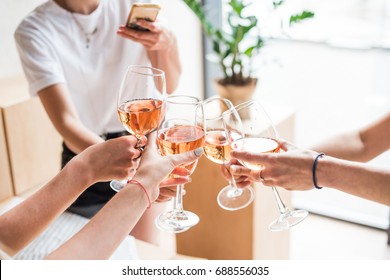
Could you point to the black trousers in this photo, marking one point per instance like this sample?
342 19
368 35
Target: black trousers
93 198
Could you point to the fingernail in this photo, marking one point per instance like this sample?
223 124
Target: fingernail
233 169
198 152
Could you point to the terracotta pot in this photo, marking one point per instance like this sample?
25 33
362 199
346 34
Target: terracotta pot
236 94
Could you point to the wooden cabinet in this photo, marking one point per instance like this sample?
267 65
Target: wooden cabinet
30 146
6 190
241 234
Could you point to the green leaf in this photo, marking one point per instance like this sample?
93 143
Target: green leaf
237 6
277 3
300 17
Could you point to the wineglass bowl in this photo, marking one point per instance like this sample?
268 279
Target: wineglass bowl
140 104
217 148
257 134
180 130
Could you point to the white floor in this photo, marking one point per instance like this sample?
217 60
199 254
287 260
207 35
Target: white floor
322 238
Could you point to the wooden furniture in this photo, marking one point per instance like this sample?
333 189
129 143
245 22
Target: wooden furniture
6 190
29 145
241 234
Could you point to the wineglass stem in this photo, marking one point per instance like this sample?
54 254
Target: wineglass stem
178 208
281 206
232 182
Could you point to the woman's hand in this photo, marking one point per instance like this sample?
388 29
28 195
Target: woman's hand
168 187
158 37
154 169
291 169
112 159
242 180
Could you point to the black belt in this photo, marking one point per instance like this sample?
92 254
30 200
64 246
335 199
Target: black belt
112 135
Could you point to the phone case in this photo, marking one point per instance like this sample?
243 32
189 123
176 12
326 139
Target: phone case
145 11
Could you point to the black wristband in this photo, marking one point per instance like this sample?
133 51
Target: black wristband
314 170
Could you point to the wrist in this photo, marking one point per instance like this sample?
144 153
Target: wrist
150 187
324 175
78 169
314 170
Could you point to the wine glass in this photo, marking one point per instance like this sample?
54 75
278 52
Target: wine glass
217 148
181 130
258 134
140 102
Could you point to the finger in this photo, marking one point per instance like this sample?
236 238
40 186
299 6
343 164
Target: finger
137 36
163 199
285 145
144 141
240 170
169 182
152 138
181 171
225 172
168 189
243 184
187 157
148 25
240 179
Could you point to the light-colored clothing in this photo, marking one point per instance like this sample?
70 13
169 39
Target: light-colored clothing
53 49
61 230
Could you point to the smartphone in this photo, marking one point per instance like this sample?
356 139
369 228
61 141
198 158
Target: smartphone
146 11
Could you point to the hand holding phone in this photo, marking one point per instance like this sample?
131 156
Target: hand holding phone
146 11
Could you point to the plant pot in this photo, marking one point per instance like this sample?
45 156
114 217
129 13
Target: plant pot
236 94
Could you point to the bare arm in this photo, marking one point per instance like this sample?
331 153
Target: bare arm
292 170
63 115
113 223
20 225
361 145
161 46
355 178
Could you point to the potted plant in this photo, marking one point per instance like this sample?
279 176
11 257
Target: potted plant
234 47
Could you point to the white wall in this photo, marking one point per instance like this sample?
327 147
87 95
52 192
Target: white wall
187 29
181 20
11 13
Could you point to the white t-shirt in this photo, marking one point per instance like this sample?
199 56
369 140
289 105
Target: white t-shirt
52 47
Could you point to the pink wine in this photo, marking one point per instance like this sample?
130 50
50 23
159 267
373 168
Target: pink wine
140 116
256 145
217 147
180 139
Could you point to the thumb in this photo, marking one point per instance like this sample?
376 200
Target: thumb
286 146
187 157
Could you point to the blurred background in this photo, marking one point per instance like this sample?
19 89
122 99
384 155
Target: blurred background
332 71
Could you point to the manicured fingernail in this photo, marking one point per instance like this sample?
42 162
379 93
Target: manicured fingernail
198 152
233 169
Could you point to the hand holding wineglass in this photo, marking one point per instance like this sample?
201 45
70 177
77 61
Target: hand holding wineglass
217 148
259 135
140 103
181 130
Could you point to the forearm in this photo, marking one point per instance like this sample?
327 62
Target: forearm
22 224
355 178
62 113
168 60
348 146
77 137
108 227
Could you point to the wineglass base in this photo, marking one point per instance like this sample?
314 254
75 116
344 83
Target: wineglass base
176 221
232 199
288 220
117 185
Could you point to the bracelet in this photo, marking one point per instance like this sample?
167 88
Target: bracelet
314 170
142 186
